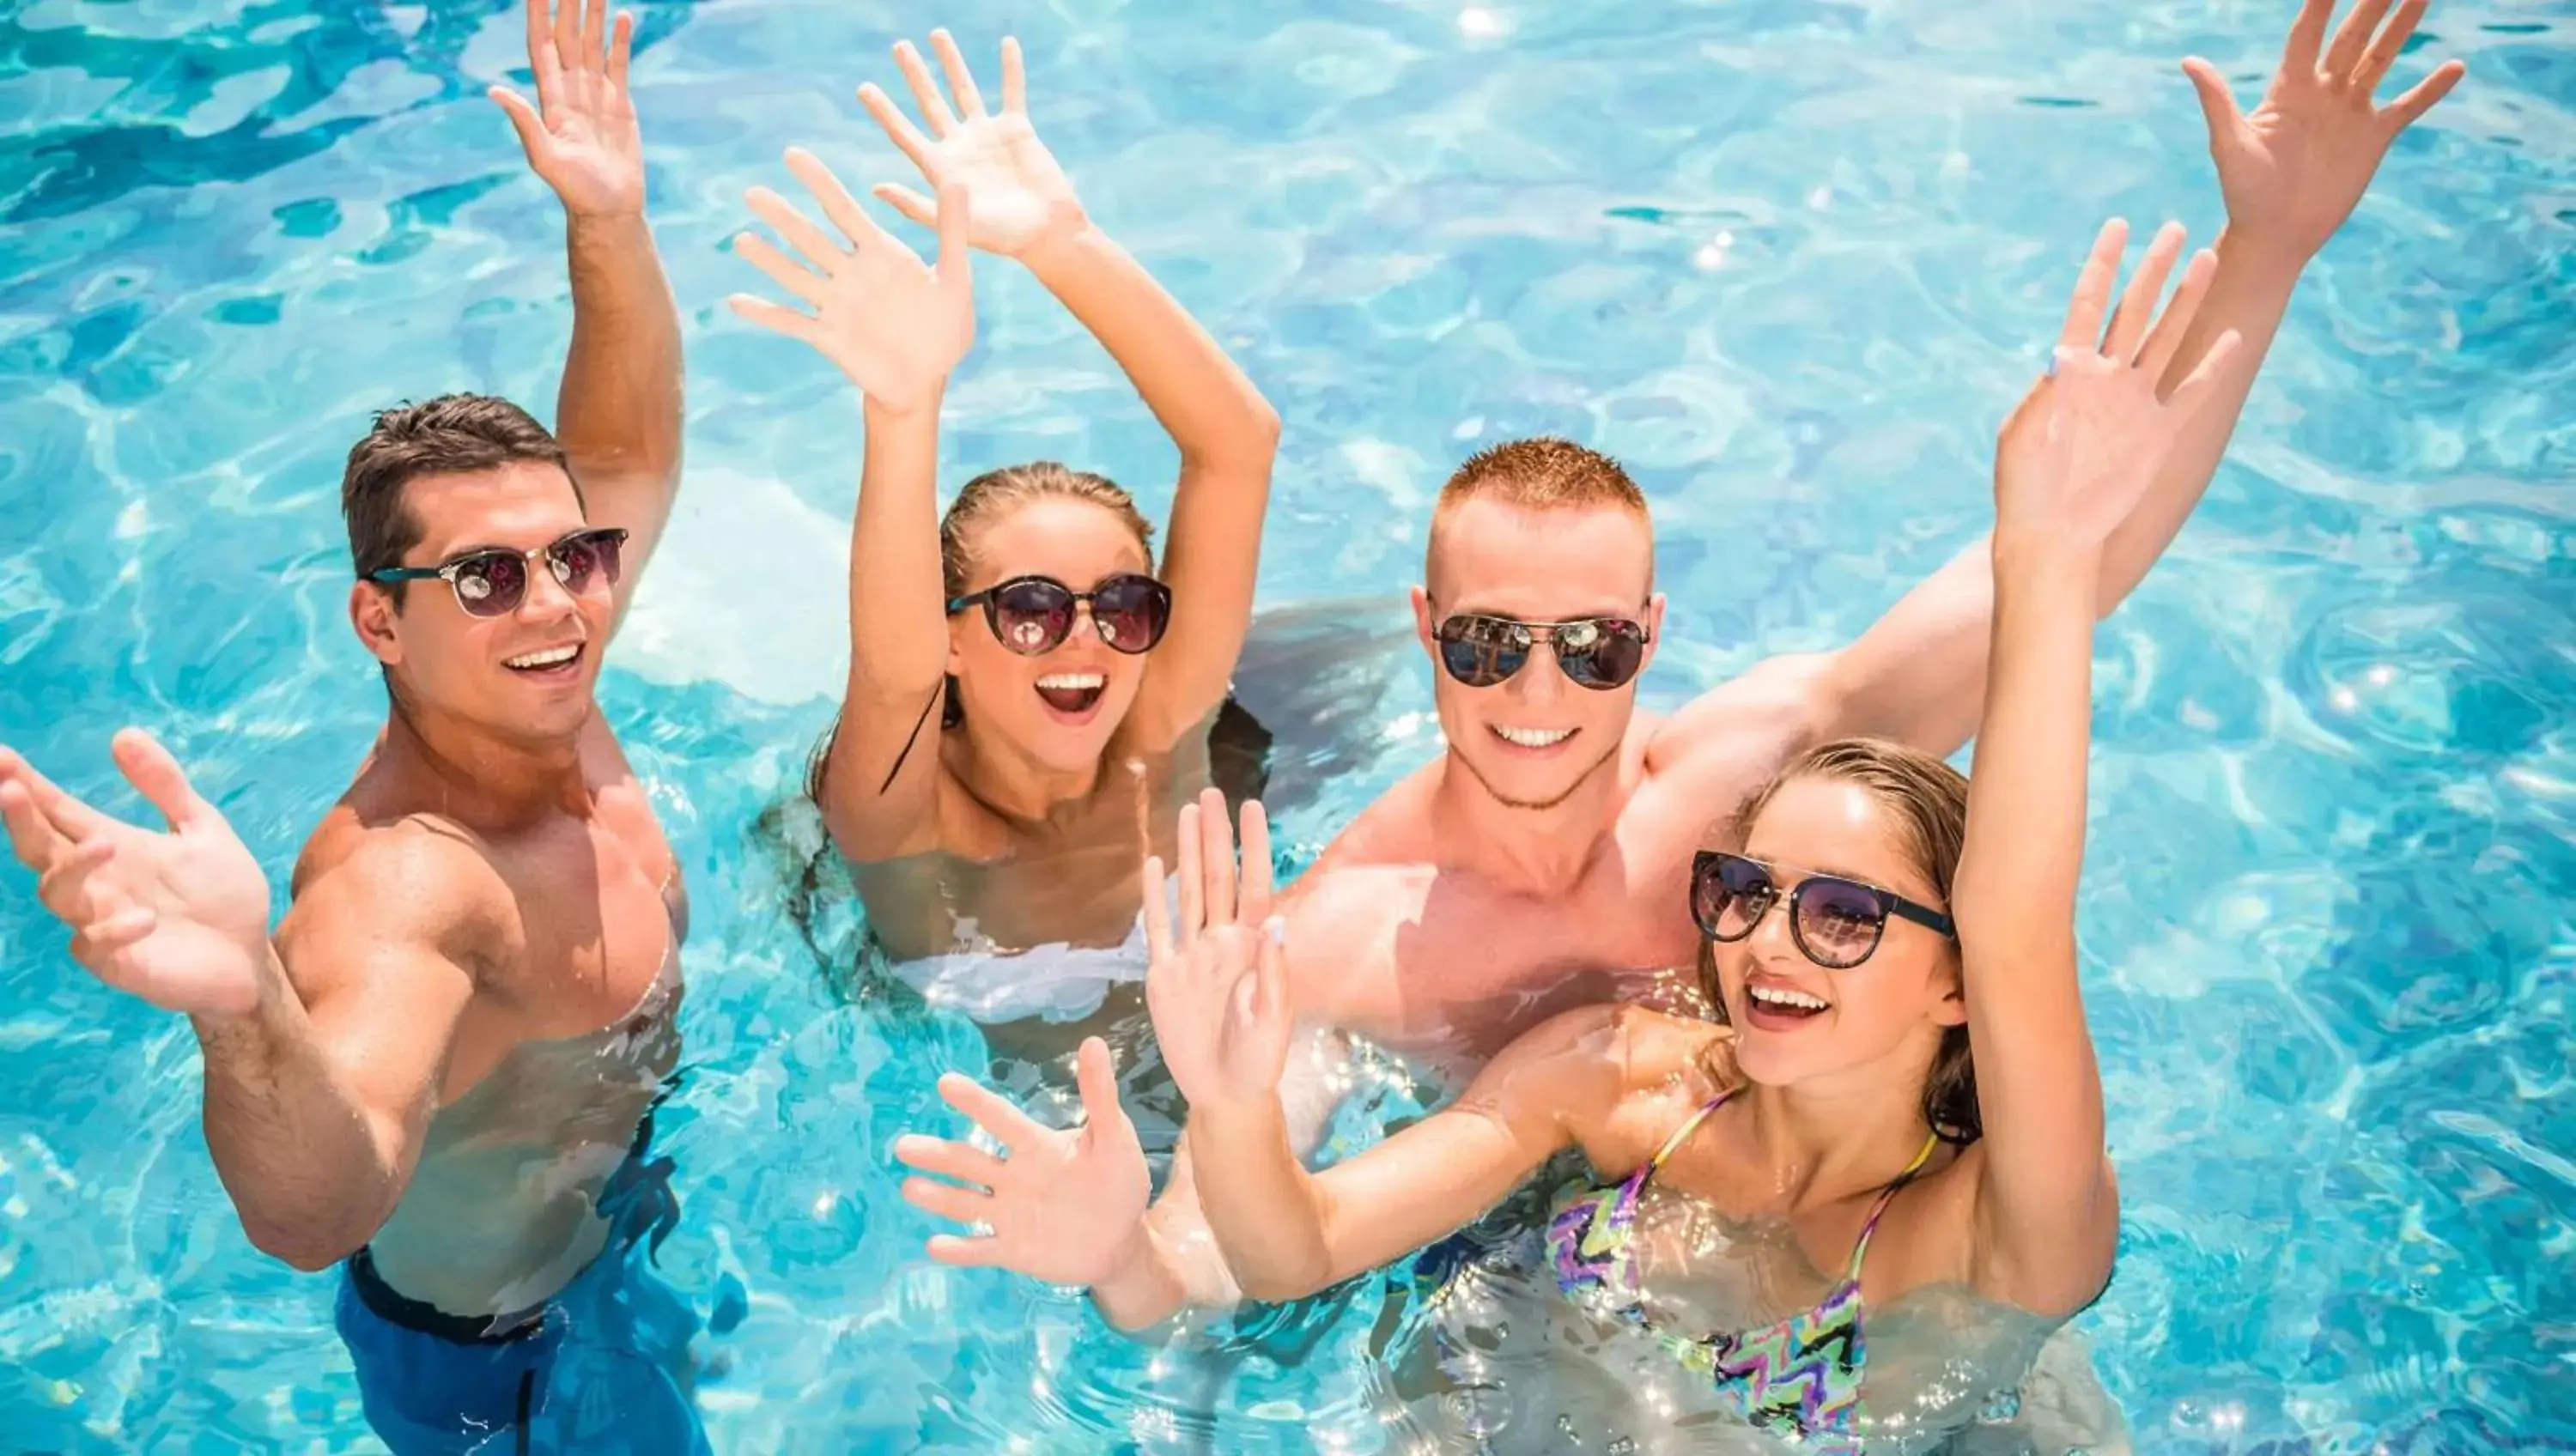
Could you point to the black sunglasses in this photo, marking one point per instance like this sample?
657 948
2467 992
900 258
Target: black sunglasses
1836 922
1600 653
1032 615
493 581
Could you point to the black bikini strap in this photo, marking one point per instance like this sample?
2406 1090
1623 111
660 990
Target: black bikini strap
936 694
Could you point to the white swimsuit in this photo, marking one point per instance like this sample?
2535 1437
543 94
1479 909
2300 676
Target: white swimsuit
1057 981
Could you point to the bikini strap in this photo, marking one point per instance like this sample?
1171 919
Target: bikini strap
1680 1134
1888 1195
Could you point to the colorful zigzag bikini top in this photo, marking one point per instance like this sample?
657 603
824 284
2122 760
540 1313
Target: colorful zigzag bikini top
1799 1378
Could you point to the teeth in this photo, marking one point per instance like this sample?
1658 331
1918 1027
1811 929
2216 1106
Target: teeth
1782 996
551 657
1533 737
1070 682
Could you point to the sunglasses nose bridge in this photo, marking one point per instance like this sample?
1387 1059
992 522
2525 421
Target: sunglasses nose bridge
544 597
1773 937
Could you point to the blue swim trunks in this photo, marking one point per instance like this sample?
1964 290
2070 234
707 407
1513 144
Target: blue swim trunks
597 1369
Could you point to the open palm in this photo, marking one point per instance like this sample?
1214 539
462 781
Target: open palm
581 135
2296 167
178 918
1020 197
1216 986
2084 446
1061 1205
896 326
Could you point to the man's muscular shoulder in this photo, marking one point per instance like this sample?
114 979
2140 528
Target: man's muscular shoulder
417 881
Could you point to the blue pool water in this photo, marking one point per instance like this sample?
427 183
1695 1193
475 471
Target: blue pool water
1790 259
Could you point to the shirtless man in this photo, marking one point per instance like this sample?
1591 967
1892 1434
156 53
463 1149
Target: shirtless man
436 1068
1541 860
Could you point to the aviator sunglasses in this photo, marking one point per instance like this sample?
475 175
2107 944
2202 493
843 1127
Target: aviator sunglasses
1032 615
493 581
1836 922
1600 653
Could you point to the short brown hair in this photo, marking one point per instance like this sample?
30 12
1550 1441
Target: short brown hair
1929 800
452 434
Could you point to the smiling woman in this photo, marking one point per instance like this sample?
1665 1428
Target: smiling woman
1027 703
1791 279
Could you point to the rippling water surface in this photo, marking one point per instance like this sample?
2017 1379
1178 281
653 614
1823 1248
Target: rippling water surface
1790 259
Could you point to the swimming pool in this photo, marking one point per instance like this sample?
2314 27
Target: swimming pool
1790 260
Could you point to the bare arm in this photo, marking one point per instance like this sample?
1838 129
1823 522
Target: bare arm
1228 436
1172 1262
317 1101
1227 433
1286 1233
617 413
2292 171
2069 469
898 329
323 1053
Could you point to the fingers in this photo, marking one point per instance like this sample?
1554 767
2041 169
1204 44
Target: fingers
567 37
2354 38
69 817
1217 851
804 282
898 127
60 887
111 937
1095 1072
2307 37
1270 973
2157 355
523 119
2409 109
960 1161
989 1110
2383 53
1158 914
963 1253
961 82
953 224
621 50
772 317
904 200
543 63
2217 103
925 92
818 247
2138 302
32 837
2093 289
150 768
836 202
1256 893
1015 78
594 36
1193 877
964 1205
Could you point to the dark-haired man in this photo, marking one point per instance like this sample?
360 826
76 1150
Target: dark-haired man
436 1071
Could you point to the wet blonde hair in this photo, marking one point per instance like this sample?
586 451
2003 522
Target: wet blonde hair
997 493
1928 799
982 500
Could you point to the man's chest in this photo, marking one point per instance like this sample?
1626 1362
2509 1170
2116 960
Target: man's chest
1448 965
